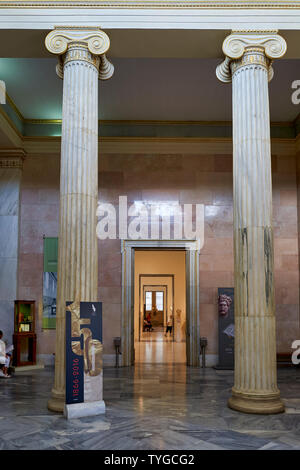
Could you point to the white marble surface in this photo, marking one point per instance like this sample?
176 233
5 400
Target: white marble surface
6 318
77 253
248 64
9 191
8 279
161 407
10 179
80 410
93 387
9 226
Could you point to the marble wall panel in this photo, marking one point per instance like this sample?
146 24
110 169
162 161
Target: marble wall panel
10 179
7 319
205 179
10 191
9 233
39 216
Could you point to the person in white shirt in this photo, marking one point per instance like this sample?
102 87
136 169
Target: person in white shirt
4 358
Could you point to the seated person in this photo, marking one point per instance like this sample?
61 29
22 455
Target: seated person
149 322
4 358
147 325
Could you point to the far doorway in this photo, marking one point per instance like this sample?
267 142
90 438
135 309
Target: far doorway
160 306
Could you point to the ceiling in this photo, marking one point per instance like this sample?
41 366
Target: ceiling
145 89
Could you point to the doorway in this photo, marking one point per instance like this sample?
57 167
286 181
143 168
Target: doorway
130 302
160 306
153 301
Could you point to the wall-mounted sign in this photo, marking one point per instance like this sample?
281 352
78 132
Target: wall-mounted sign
226 327
83 352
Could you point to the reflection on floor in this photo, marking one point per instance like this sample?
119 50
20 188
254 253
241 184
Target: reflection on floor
149 407
158 334
155 347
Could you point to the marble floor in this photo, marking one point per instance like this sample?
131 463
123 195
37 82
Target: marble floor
155 347
158 334
151 407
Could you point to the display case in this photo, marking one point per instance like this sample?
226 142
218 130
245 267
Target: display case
24 337
24 316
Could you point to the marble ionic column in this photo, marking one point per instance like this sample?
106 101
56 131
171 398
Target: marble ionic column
82 62
248 65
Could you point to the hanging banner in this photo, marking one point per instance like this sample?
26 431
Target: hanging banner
83 352
226 327
49 300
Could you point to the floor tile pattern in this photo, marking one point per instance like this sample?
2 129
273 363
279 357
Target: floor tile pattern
149 406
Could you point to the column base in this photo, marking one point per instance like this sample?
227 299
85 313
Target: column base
57 402
81 410
256 403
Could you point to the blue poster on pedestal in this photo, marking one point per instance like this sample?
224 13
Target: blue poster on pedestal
226 328
83 352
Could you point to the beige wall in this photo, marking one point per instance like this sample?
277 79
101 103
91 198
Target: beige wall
185 178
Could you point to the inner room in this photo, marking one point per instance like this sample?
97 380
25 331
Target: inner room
160 306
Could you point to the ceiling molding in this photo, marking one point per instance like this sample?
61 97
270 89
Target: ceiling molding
155 123
126 122
51 144
12 158
13 105
160 145
12 152
205 15
154 4
10 122
9 129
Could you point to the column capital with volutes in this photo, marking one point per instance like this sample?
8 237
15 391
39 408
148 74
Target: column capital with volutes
80 43
248 47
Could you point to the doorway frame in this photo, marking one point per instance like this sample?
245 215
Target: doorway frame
166 298
165 305
192 252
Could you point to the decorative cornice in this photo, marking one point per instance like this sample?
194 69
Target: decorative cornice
150 145
42 121
12 158
123 122
10 122
258 46
80 43
14 107
154 4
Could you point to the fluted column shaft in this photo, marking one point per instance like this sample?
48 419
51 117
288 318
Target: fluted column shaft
255 381
77 243
255 346
77 246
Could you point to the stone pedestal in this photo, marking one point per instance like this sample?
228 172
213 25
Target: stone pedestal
248 65
81 53
81 410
